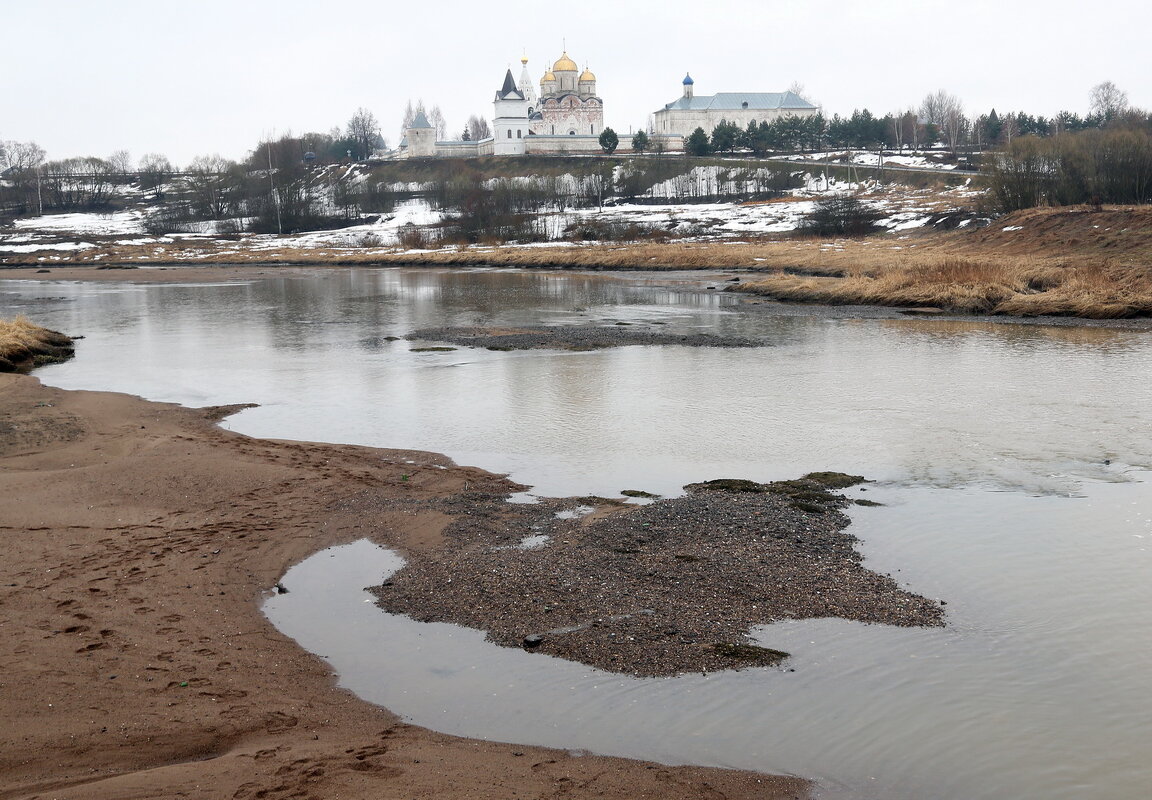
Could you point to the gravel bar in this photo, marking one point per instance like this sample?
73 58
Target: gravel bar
665 588
573 337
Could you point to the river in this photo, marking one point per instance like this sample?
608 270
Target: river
1011 460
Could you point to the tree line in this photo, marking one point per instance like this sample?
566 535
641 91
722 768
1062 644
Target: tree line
940 118
208 187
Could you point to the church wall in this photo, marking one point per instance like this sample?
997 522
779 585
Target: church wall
463 149
681 122
669 143
563 145
585 117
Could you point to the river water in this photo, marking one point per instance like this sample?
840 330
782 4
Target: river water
1012 460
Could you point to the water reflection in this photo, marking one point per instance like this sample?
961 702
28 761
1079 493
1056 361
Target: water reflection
1036 663
1025 334
941 402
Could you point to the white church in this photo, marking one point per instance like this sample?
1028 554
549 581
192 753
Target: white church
567 116
564 116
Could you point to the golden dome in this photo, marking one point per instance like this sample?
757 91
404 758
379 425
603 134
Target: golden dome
587 76
524 60
565 64
548 76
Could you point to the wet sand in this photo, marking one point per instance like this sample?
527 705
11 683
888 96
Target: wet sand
139 540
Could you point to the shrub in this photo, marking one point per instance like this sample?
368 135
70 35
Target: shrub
840 216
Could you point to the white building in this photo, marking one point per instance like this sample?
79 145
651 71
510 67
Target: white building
680 118
511 126
566 116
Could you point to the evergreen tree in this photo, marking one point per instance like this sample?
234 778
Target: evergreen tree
725 137
993 128
640 142
697 143
756 138
609 141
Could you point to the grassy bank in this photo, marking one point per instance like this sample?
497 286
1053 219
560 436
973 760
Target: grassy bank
1079 262
24 345
979 287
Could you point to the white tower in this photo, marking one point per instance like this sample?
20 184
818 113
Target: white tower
510 127
421 137
526 86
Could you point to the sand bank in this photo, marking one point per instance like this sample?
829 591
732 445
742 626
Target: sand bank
139 540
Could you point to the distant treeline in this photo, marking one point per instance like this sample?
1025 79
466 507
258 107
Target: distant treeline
864 131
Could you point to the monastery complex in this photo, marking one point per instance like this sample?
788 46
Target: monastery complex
566 116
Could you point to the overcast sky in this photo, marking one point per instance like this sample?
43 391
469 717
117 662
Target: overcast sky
87 77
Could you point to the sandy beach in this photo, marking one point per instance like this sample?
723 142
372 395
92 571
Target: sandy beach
140 539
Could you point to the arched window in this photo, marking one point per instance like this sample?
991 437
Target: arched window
509 133
518 134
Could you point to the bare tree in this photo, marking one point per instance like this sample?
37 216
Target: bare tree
1107 101
410 112
1009 128
797 88
478 128
20 156
436 119
406 121
364 130
120 161
946 112
21 163
910 128
76 183
155 170
209 186
930 108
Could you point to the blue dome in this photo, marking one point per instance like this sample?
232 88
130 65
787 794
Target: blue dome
688 80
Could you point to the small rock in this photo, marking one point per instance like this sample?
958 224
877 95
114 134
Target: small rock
533 640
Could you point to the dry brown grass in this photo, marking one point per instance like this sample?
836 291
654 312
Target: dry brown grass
1018 288
24 344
